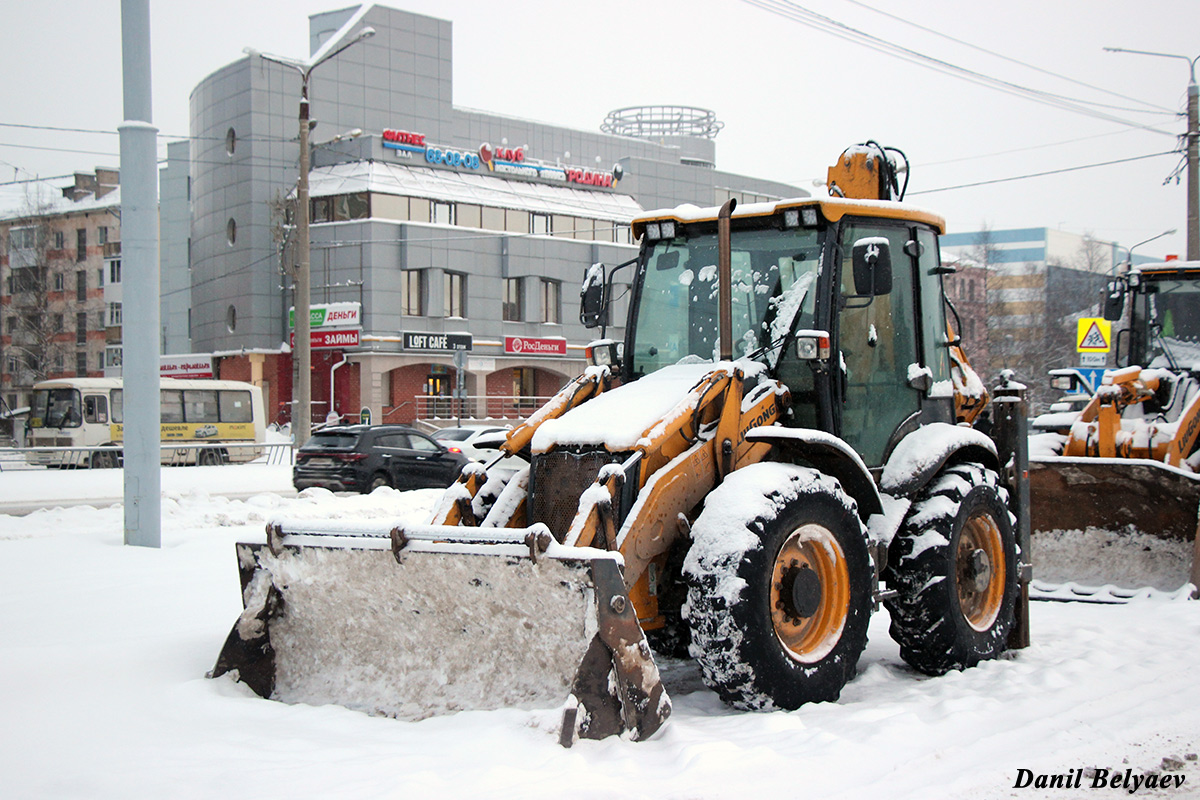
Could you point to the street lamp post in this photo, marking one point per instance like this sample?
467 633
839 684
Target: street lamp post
302 290
1129 252
1193 149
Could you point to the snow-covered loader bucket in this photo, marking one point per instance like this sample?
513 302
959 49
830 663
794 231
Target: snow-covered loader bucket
416 621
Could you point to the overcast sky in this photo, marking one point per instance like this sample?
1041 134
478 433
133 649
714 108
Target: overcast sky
792 97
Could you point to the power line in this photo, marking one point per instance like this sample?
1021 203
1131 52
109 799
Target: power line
804 16
1159 109
1043 174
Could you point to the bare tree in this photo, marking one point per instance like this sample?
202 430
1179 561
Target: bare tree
37 336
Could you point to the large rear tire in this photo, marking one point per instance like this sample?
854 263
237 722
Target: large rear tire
779 588
954 564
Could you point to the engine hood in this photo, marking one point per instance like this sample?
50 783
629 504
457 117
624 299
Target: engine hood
618 418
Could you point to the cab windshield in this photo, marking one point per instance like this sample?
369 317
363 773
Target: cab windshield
1170 313
774 273
55 408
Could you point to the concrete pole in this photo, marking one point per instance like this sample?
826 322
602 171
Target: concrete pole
139 263
1193 178
302 349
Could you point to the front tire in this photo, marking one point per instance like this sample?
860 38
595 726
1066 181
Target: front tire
779 588
954 564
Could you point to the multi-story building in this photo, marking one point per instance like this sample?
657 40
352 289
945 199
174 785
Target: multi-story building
1037 282
54 320
434 227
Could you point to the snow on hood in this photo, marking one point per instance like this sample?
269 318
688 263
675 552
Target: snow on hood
618 418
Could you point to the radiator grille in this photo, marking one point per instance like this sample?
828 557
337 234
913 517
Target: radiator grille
558 479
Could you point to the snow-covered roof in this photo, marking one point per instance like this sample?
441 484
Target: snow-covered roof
1168 266
46 197
833 208
458 187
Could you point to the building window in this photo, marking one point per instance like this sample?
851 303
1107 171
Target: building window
81 286
412 293
114 315
103 233
81 328
22 238
454 288
58 322
514 306
80 244
59 282
524 382
551 301
443 213
114 270
100 277
59 240
539 224
81 365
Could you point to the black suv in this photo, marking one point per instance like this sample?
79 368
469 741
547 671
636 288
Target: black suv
363 457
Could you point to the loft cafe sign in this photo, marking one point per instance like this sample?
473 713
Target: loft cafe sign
506 160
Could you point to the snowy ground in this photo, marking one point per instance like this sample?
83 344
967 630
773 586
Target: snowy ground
103 694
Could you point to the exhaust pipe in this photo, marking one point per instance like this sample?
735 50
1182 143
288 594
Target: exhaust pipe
725 282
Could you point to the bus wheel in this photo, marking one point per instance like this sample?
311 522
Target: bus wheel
210 458
105 459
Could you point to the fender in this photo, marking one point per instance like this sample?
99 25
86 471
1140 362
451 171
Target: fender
921 454
830 455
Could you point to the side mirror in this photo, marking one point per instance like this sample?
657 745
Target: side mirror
593 305
1114 303
872 261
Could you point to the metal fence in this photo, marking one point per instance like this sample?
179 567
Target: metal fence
175 455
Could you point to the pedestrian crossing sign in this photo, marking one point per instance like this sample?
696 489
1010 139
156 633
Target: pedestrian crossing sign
1094 335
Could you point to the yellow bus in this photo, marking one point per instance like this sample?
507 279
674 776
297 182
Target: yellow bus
213 421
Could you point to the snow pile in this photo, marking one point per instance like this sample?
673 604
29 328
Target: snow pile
1129 558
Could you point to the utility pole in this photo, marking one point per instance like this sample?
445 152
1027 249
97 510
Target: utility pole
1193 151
139 254
302 289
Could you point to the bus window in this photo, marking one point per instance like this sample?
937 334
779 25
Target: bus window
118 406
235 407
172 406
200 405
95 409
55 408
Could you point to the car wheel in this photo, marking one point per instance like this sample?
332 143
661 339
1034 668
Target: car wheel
377 480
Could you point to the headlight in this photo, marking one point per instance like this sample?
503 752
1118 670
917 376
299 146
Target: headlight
668 229
653 230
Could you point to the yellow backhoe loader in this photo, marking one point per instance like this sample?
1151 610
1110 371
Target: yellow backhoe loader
782 440
1125 465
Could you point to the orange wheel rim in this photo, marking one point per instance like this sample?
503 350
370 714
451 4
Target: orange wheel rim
810 593
980 571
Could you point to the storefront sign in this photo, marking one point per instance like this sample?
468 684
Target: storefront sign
588 178
326 338
438 342
452 158
510 155
185 366
330 315
530 346
393 137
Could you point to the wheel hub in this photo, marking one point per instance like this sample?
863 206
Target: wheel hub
979 570
810 593
799 592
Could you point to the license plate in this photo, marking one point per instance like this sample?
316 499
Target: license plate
319 462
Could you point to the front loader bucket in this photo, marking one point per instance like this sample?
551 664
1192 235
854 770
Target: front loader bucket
1134 521
415 622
